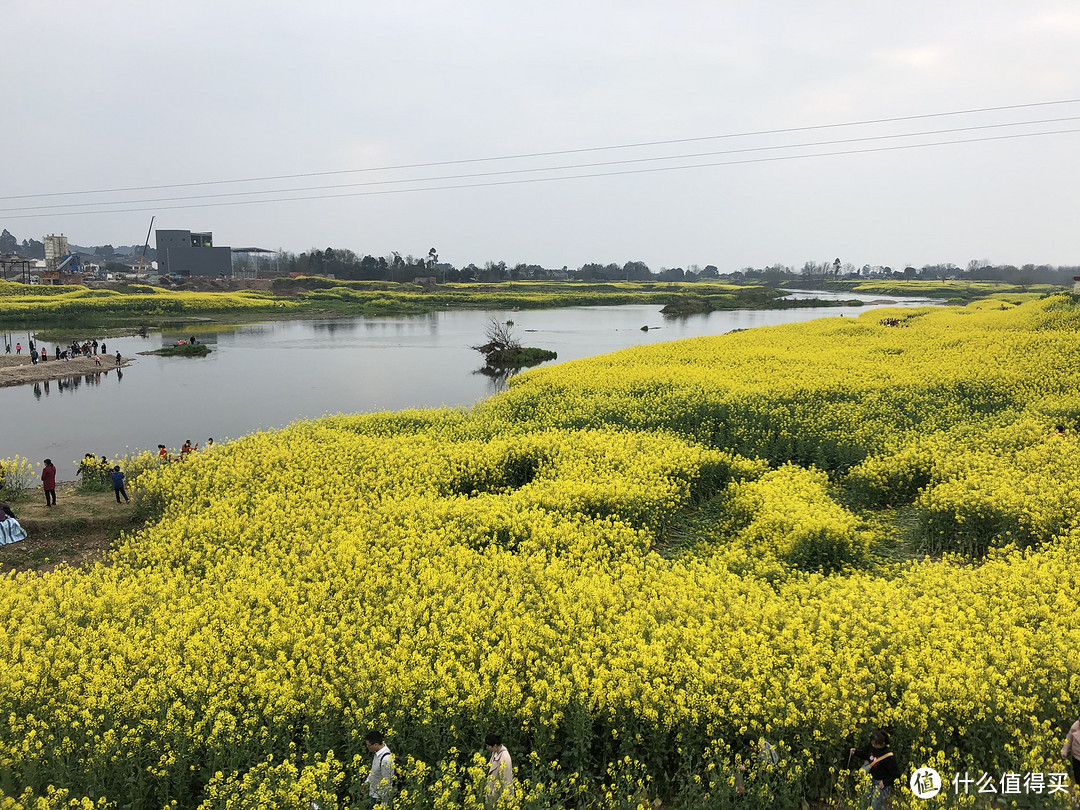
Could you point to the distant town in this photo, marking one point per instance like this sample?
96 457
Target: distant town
179 256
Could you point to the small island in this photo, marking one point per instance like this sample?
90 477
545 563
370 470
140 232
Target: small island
504 351
182 350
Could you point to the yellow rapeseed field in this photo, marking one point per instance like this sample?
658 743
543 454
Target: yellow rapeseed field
626 565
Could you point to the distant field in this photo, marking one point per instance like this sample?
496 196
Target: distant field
138 305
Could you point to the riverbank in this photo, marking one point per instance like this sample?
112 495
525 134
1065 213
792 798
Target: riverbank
18 369
142 307
77 531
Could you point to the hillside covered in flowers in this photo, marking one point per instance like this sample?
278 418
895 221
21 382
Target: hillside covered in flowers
625 565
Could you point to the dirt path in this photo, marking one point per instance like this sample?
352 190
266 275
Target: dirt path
77 531
17 369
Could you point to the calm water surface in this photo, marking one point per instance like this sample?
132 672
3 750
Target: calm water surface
266 375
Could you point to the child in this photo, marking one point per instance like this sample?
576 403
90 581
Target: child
881 765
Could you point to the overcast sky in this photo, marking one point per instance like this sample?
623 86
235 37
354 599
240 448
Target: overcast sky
119 93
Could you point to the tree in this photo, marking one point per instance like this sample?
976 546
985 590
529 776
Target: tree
492 272
636 271
8 243
501 342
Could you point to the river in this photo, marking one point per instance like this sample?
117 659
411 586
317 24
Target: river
265 375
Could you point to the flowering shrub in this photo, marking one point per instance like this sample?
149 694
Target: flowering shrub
16 478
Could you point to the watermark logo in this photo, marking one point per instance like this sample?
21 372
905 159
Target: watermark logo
925 783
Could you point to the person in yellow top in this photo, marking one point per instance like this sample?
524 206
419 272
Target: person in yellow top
500 770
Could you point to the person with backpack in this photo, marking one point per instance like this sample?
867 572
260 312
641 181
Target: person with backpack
881 765
380 781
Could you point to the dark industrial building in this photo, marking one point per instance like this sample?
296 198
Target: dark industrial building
184 253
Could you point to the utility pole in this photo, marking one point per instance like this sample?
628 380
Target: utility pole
147 242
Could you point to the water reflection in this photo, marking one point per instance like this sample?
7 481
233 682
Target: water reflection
72 382
499 377
331 327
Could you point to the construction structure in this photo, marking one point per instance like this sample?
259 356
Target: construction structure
187 253
61 265
15 267
256 262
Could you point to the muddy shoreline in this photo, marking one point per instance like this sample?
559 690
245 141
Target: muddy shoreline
17 369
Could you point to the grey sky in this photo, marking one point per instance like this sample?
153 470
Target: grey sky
117 93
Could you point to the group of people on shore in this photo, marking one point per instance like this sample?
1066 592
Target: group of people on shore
88 348
380 781
91 468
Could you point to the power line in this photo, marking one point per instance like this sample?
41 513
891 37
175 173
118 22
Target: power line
642 144
504 172
523 181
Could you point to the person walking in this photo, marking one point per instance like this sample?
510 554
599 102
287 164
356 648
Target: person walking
48 482
18 348
118 484
500 770
380 781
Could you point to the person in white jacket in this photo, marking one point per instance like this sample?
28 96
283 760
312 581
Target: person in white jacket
381 779
500 770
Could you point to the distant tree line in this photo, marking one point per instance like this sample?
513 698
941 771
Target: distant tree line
346 264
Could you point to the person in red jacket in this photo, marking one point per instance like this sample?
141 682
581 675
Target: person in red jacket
48 482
